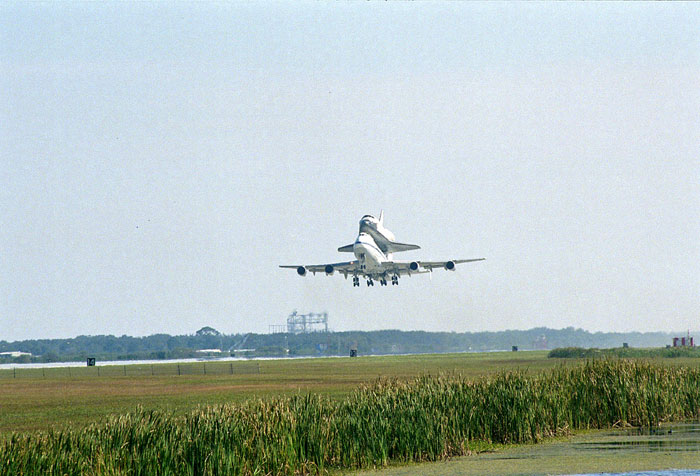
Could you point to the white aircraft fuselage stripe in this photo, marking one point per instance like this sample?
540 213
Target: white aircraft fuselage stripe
368 253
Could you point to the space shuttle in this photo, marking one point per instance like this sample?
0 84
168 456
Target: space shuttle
383 237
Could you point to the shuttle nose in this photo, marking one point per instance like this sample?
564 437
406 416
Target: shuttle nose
367 223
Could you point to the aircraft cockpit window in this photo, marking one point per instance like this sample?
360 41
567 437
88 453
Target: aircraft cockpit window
368 216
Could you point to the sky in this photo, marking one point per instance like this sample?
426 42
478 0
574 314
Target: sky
160 160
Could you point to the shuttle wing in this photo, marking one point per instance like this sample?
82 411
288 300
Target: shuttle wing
394 247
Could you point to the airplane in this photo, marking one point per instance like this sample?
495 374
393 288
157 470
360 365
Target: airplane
374 249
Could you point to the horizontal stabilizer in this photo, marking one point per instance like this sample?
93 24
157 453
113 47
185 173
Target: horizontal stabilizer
347 248
394 247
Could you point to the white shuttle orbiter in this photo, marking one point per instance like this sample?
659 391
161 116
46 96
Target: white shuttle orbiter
374 249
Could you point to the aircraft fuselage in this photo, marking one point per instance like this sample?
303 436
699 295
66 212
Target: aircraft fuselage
368 253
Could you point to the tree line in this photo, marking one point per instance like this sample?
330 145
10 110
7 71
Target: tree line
164 346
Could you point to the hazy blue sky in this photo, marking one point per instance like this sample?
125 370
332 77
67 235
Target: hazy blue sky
160 160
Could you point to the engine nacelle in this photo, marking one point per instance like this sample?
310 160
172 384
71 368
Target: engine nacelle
450 266
329 270
301 271
413 266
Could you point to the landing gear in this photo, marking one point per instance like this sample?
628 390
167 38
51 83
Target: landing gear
382 280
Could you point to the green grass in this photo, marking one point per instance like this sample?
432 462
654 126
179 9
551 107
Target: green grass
627 353
392 420
61 399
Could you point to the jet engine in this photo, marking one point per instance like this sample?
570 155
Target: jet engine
413 266
329 270
450 266
301 271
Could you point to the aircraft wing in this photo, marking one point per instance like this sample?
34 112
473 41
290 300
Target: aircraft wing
418 267
449 265
403 267
386 270
345 267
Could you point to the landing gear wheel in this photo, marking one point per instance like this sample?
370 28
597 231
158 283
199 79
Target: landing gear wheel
383 282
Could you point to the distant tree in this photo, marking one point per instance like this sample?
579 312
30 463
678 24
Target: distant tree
207 331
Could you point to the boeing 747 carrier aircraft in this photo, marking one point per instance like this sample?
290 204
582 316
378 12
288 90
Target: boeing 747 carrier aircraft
374 249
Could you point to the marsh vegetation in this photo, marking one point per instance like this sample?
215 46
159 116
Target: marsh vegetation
390 420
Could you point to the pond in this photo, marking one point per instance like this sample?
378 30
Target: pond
671 450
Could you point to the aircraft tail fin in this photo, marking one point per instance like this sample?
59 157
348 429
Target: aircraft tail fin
381 217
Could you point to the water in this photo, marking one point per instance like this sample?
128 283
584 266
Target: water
48 365
617 451
672 472
99 363
681 437
81 363
668 438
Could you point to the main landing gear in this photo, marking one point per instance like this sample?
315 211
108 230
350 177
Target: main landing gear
382 280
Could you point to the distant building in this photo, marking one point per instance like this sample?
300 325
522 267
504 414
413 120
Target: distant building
14 353
540 343
305 323
683 342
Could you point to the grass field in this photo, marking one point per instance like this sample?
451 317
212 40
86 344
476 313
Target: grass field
53 398
36 402
390 421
